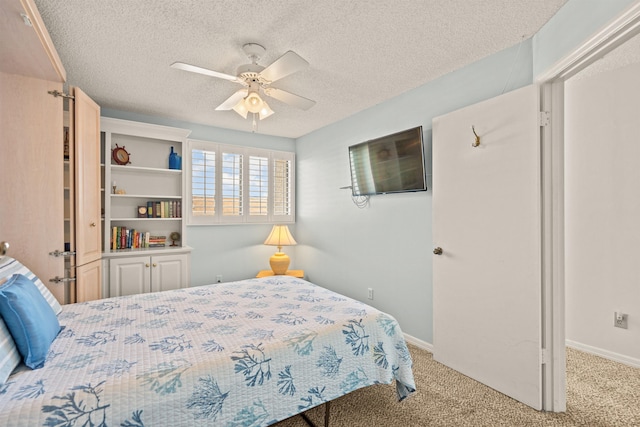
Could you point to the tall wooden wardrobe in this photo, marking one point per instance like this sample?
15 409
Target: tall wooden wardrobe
33 188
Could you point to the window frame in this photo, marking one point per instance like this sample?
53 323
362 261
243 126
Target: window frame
247 152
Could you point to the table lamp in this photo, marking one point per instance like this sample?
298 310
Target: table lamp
280 236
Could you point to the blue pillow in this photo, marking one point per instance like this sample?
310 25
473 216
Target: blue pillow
30 319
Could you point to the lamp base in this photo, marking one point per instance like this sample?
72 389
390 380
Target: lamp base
279 263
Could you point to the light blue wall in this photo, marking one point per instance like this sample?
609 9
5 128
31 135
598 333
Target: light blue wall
387 246
233 251
574 23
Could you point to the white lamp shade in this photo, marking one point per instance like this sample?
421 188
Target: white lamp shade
280 236
253 102
265 111
241 109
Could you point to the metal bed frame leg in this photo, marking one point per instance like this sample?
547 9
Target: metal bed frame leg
327 408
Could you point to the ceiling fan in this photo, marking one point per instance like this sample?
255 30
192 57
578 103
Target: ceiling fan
257 81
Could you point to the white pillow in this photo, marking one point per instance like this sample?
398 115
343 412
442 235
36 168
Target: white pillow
9 355
10 266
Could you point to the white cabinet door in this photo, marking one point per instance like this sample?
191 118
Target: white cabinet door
487 302
129 276
141 274
168 272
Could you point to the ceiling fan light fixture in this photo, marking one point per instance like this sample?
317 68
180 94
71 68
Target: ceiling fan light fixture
241 109
253 102
265 111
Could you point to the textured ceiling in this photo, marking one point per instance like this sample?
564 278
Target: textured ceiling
361 53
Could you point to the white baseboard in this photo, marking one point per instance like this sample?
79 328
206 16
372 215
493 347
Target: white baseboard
616 357
418 343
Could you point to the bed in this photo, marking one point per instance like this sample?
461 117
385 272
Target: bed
246 353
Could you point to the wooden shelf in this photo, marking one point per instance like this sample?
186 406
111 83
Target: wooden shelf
145 219
145 196
125 168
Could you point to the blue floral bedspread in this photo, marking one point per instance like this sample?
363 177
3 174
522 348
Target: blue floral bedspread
247 353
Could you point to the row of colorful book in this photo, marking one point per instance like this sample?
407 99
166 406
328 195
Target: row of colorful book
163 209
125 238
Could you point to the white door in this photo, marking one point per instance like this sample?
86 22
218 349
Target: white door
487 221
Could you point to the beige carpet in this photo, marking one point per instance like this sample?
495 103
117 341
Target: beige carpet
599 393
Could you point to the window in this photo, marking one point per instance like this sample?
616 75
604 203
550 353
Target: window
203 183
231 184
258 185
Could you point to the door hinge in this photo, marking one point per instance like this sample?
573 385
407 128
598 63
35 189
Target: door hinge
58 253
59 279
57 93
543 356
545 118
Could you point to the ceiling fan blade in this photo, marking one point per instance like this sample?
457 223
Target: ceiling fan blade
287 64
205 71
289 98
232 100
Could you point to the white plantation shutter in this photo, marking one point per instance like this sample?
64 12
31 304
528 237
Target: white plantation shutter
283 182
203 180
258 185
233 184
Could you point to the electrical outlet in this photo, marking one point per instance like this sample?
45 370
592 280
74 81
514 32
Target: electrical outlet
219 278
620 320
370 293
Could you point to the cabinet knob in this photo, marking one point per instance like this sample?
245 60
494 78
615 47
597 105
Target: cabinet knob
93 224
437 251
155 265
146 265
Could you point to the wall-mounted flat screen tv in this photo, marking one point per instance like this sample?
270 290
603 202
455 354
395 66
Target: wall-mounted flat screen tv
390 164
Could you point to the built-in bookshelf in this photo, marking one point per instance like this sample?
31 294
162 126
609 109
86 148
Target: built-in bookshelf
143 197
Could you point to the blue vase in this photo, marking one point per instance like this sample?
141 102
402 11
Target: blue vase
175 161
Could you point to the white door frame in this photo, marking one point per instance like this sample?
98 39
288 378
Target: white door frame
551 83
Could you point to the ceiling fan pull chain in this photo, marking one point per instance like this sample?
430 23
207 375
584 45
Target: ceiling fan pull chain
255 124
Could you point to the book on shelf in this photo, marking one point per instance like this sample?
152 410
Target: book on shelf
164 209
126 238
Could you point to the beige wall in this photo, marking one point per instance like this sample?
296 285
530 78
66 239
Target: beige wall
603 212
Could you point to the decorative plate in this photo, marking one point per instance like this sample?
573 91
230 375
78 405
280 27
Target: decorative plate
120 155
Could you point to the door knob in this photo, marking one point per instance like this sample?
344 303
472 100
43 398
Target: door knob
438 251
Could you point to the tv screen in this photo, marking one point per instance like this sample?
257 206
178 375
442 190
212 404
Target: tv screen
390 164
